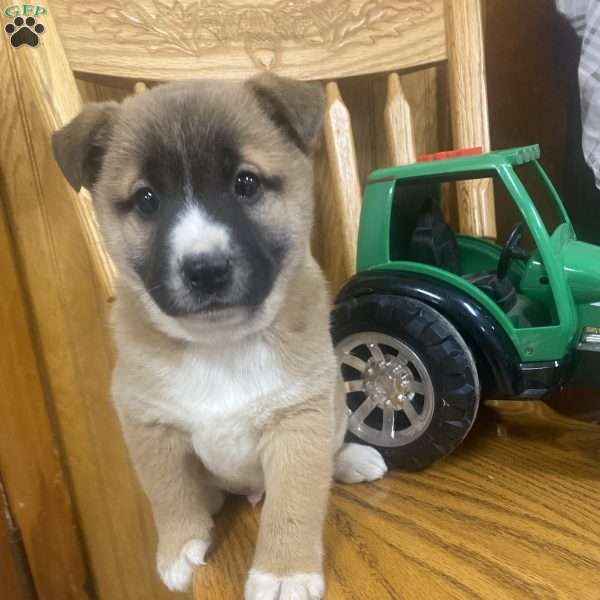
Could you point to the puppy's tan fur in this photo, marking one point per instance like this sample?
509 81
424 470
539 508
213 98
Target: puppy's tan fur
284 434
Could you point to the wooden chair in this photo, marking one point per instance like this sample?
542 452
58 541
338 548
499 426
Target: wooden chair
382 62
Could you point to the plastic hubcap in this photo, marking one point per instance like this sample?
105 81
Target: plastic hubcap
388 382
392 379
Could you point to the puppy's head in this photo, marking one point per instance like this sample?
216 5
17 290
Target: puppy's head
203 192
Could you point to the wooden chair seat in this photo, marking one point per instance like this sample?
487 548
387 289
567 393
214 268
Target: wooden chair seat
514 513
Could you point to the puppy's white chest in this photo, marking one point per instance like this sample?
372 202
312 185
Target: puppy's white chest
223 399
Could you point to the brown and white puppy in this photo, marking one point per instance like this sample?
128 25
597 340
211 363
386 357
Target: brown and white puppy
225 377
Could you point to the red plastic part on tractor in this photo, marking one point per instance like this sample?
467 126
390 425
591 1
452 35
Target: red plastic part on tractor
450 154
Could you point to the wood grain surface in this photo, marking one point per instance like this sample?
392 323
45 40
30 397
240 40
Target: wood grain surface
513 514
51 87
314 39
469 110
32 474
398 123
341 211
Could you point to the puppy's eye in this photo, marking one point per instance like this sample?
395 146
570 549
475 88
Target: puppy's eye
146 202
246 184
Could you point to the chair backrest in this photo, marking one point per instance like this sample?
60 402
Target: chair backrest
67 274
311 39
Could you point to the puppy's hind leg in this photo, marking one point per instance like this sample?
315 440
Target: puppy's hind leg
356 463
182 502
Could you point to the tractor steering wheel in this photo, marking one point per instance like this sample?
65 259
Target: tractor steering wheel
511 251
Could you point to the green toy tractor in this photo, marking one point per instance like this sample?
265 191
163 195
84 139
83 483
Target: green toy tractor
433 322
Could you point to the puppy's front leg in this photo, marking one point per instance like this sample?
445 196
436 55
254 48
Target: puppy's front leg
182 503
297 458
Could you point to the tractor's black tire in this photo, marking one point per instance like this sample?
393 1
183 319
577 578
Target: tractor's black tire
448 361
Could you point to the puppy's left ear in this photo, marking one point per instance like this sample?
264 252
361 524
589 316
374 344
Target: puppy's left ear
296 107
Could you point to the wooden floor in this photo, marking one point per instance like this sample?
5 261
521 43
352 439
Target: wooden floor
513 514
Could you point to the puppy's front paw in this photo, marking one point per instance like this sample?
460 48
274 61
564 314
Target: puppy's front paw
177 574
355 463
266 586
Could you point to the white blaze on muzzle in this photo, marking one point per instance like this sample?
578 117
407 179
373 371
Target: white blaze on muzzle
195 233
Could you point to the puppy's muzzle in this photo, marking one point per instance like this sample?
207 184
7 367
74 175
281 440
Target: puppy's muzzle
207 274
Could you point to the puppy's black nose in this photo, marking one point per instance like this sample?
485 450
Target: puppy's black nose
207 273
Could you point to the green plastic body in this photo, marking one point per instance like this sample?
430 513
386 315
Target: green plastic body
562 276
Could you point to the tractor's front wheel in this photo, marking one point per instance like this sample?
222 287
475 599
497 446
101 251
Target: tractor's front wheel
411 383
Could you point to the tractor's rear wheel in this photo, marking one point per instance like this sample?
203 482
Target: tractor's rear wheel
411 383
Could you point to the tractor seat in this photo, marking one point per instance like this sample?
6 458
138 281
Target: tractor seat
419 233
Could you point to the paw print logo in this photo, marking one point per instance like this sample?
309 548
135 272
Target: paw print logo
24 31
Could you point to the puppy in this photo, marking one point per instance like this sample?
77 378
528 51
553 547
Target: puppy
225 379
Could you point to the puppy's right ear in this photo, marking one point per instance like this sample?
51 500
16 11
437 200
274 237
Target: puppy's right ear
80 145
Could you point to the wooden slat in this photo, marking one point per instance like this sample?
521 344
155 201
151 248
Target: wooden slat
342 214
398 123
514 513
69 306
426 92
468 109
33 477
149 40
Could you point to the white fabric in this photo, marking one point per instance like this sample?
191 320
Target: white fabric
584 16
